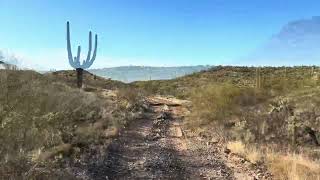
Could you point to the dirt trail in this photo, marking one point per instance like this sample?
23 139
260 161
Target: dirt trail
157 147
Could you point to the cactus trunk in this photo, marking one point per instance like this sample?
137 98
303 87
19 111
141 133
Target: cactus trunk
294 133
79 77
285 72
258 78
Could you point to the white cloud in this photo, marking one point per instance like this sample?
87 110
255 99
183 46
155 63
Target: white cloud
16 58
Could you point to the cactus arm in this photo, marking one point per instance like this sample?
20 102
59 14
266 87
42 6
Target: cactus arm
75 61
94 52
71 62
90 47
87 64
95 48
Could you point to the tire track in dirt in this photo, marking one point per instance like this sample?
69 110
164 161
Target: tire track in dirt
142 151
157 147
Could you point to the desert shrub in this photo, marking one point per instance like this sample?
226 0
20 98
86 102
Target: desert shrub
283 85
129 106
160 87
130 94
251 114
218 103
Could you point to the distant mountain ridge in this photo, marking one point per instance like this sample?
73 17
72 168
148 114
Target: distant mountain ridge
297 43
143 73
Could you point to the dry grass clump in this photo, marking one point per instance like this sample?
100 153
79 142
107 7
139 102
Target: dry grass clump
237 147
288 166
292 166
250 153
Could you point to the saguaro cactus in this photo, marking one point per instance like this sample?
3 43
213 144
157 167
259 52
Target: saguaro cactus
75 61
285 72
312 71
258 78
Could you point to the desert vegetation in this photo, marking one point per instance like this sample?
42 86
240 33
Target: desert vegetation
283 164
52 130
259 108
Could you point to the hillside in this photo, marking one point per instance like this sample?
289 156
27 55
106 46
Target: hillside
91 81
225 125
276 124
235 75
52 130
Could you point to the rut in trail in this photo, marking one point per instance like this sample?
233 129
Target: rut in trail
156 147
143 151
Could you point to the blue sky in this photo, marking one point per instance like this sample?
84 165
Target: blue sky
145 32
